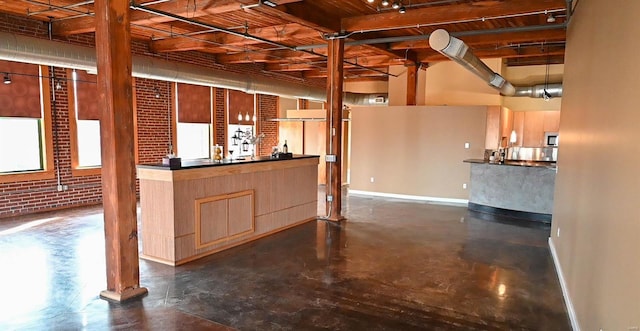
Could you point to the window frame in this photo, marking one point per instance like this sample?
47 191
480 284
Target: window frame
174 118
48 171
76 169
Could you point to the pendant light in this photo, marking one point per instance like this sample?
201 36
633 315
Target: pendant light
239 117
246 117
254 117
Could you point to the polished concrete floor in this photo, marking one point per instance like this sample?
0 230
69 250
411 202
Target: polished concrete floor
393 265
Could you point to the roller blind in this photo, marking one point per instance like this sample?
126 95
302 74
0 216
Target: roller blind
87 96
194 103
21 98
240 103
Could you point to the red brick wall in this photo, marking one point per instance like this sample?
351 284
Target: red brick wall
153 128
267 110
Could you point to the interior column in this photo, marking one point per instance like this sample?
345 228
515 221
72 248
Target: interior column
335 80
412 80
113 51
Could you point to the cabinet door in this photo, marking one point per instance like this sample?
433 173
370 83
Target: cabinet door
533 135
518 126
551 121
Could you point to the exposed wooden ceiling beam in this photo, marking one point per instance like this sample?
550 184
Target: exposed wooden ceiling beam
268 56
433 56
219 39
186 8
501 39
446 14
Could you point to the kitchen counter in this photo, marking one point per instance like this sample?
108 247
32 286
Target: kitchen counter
205 207
516 189
544 164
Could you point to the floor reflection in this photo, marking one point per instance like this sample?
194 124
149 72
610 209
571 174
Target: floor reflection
393 265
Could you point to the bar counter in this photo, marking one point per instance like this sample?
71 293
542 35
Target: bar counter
516 189
205 207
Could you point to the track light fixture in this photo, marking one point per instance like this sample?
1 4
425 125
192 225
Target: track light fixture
7 78
551 18
385 2
402 10
395 5
370 1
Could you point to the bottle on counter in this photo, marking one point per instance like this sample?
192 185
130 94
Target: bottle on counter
285 148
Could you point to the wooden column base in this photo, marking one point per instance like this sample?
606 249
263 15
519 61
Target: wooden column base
333 218
124 296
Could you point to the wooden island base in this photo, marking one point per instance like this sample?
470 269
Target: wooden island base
202 209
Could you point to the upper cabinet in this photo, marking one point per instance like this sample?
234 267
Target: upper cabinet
531 126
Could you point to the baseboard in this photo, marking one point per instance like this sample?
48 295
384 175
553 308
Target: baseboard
563 284
447 201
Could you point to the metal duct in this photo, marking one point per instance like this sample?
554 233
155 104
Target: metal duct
458 51
51 53
538 91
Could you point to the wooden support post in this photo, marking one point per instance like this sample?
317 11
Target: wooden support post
412 81
335 81
113 50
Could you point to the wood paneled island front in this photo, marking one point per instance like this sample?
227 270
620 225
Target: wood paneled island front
205 207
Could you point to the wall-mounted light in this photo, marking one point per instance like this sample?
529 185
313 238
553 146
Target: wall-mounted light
58 85
7 78
157 92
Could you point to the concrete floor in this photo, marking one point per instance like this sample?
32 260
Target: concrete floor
393 265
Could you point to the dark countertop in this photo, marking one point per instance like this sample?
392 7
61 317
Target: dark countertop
203 163
517 163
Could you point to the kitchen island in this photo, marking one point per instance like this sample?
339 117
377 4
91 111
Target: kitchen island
515 189
205 207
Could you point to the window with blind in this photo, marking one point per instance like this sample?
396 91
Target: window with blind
25 123
84 120
194 121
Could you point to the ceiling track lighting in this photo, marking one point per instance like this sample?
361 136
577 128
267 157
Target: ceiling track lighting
7 78
551 18
385 3
402 10
395 5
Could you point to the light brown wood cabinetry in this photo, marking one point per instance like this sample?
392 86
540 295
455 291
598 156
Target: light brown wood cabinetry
551 121
196 211
530 126
533 135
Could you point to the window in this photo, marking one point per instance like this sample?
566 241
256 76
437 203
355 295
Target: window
193 140
26 144
194 134
25 155
84 123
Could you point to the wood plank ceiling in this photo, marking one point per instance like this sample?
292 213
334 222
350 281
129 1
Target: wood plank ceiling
290 36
